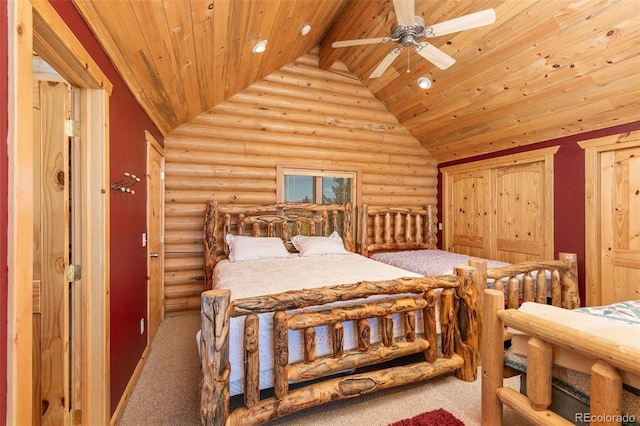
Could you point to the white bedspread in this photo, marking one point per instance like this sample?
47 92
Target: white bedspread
612 327
267 276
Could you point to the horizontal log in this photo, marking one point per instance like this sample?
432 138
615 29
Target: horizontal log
317 96
193 248
262 125
189 169
182 304
309 68
178 209
521 268
316 148
398 246
340 388
178 223
249 197
402 191
175 264
395 200
181 291
323 295
521 404
288 76
239 185
620 356
341 123
355 312
380 179
352 359
269 100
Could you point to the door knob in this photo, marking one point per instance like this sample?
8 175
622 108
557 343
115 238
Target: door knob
155 255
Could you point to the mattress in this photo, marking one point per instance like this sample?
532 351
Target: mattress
619 323
267 276
429 262
440 262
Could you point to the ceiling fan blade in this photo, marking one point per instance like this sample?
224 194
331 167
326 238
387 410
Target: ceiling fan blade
384 64
347 43
473 20
405 12
436 56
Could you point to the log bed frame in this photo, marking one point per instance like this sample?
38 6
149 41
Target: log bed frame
606 383
458 339
397 228
379 229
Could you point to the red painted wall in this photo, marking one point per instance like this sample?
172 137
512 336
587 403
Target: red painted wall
128 213
4 129
568 190
127 153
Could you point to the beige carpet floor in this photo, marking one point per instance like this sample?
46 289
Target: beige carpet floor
167 392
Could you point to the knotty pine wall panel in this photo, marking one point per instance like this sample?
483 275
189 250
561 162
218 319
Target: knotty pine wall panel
297 115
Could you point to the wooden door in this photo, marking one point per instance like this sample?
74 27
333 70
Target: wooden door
520 213
155 233
51 254
612 206
468 213
501 208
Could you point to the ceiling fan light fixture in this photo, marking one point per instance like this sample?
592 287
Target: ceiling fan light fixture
260 46
424 83
305 30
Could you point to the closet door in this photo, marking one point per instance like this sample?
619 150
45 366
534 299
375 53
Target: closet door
521 209
612 204
468 212
500 208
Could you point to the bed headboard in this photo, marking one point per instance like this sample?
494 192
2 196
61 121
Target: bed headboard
396 228
283 220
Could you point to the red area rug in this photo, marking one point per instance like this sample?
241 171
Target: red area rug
439 417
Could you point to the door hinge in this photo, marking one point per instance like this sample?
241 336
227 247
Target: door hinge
161 175
72 128
73 273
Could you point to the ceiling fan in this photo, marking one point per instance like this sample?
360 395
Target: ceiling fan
411 29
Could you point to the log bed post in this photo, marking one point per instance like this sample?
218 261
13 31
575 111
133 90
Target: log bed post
431 227
210 242
214 350
492 360
569 281
466 338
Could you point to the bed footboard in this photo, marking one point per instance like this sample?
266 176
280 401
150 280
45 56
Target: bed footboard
606 382
318 379
561 275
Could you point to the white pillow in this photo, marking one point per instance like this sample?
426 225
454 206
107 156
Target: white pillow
313 246
249 248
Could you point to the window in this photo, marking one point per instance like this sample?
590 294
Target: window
320 186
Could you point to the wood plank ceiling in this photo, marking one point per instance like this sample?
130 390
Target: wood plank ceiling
544 69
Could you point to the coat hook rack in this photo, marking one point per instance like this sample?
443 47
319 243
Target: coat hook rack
126 184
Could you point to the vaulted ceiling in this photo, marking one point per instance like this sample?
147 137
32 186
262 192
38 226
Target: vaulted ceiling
544 69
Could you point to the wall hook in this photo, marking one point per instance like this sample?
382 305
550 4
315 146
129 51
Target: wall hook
127 182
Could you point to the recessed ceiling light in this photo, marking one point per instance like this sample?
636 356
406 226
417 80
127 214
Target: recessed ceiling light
305 30
260 46
424 83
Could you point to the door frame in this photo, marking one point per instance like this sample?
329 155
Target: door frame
593 148
154 145
36 26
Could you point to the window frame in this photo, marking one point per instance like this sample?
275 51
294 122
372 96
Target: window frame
351 172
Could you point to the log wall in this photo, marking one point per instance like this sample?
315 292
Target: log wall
296 115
